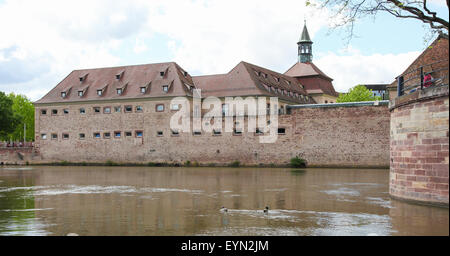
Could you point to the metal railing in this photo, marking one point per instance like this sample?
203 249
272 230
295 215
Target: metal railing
16 144
415 78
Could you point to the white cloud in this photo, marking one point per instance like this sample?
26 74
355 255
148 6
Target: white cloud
42 41
354 68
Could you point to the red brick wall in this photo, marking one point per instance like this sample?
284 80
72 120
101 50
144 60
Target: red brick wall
343 136
433 59
420 148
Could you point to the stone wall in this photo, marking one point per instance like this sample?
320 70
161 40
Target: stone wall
343 134
324 135
18 155
420 146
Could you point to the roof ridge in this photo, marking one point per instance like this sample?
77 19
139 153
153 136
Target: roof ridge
124 66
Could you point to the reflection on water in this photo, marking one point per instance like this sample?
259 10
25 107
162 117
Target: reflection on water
186 201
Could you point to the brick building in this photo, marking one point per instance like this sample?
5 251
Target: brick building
433 59
123 114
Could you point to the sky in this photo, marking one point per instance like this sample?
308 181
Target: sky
41 42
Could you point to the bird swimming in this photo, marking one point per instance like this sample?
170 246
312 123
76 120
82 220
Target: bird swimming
266 210
223 209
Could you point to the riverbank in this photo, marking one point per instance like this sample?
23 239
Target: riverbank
235 164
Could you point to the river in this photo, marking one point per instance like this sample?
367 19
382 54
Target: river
166 201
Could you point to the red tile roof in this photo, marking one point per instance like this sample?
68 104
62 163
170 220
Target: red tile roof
313 79
247 80
243 80
133 77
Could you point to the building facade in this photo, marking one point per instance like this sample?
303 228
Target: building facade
124 114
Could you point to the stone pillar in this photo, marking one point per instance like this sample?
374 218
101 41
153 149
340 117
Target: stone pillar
419 159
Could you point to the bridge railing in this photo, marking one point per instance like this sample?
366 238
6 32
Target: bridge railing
16 144
414 79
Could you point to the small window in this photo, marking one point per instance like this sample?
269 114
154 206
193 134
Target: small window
217 132
97 135
117 134
128 109
81 136
66 111
175 107
160 108
54 136
119 91
165 88
175 133
43 111
118 77
106 135
258 132
65 136
54 111
99 92
139 109
128 134
43 136
139 134
117 109
143 89
197 133
281 130
237 132
161 73
107 110
82 111
159 133
80 93
63 94
96 109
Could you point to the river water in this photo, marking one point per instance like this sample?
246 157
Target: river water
102 201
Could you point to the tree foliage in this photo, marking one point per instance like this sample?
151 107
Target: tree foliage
350 11
8 119
24 109
358 93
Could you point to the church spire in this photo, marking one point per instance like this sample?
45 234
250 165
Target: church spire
305 46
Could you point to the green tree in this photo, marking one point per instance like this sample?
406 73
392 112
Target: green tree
24 110
8 119
358 93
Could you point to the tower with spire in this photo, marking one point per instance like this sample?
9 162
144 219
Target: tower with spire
305 46
316 83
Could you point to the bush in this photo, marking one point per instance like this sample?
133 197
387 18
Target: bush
110 163
234 164
187 163
297 162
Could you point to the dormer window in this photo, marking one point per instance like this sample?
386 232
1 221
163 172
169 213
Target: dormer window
165 88
185 74
119 76
80 93
119 91
99 92
143 89
161 73
63 94
83 78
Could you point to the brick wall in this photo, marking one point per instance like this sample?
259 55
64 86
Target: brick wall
328 136
420 146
